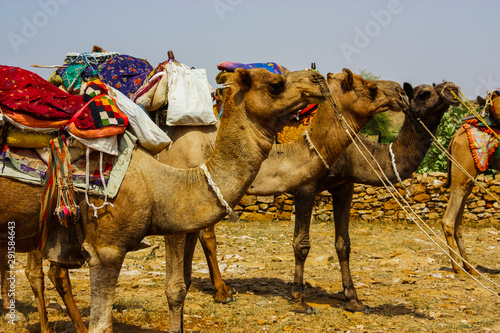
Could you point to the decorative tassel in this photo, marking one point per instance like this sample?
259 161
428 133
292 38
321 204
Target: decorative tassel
59 177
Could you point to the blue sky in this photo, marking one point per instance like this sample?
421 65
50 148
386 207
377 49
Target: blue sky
402 40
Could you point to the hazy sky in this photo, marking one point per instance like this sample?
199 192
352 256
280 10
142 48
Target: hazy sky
401 40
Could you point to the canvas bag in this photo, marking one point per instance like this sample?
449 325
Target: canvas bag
189 99
148 134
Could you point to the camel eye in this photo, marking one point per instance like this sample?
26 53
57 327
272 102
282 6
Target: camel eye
425 95
277 88
373 93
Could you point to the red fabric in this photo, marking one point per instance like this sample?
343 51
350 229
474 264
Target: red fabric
25 91
38 103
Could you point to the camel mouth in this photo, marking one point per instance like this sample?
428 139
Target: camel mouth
448 96
399 105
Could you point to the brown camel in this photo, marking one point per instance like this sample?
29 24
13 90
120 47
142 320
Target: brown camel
293 164
427 103
460 187
155 199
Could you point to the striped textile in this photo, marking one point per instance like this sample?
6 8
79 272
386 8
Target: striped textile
59 178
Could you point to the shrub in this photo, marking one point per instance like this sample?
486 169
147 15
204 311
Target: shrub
435 160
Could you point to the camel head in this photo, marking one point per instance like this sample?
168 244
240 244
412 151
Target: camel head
494 98
430 102
364 98
269 99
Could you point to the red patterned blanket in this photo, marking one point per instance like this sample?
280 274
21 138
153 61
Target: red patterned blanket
482 141
29 100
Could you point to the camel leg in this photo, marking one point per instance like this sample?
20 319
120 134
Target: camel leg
34 273
342 197
60 278
175 284
223 293
190 246
452 223
304 203
104 268
461 245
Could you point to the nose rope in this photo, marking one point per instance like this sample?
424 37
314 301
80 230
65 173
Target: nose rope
313 148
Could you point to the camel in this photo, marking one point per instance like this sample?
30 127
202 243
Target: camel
427 103
293 164
156 199
460 187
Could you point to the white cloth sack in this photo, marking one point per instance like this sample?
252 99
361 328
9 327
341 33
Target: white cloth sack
189 99
148 134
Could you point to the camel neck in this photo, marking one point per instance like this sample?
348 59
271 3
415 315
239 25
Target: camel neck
294 164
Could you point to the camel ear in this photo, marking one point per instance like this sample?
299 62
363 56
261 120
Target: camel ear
481 101
348 81
243 78
224 77
408 90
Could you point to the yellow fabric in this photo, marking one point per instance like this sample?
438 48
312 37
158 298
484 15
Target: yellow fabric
15 138
291 132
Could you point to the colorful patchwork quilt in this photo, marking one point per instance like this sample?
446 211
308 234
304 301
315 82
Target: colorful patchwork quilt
482 141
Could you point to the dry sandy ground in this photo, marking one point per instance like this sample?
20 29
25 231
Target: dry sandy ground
397 270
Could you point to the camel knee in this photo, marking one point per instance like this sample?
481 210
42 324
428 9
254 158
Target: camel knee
343 248
34 276
176 294
301 249
448 228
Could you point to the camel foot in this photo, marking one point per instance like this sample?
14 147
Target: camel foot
303 307
226 296
464 271
224 299
357 306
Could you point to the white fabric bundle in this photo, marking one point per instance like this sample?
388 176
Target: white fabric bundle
189 99
148 134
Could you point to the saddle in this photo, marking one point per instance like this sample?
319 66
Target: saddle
482 140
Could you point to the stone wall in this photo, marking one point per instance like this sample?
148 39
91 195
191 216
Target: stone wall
428 199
